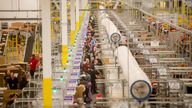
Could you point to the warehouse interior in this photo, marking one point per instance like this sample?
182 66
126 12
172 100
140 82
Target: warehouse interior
95 54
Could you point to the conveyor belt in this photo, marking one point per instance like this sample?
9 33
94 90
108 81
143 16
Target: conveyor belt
29 48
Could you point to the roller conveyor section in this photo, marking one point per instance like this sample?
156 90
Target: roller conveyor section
29 47
133 74
130 65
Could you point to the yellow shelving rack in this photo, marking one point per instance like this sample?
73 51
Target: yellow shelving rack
15 48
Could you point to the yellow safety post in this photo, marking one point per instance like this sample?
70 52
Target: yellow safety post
47 92
77 26
72 37
64 55
73 27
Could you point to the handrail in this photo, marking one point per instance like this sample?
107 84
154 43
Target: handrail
20 10
7 19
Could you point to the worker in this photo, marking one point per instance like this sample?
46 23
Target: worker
79 95
86 65
33 63
13 81
88 85
154 89
92 73
153 94
23 78
7 77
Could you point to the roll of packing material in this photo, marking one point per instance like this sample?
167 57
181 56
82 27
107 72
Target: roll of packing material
131 70
110 27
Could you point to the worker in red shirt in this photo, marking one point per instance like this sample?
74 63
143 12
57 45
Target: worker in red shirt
33 64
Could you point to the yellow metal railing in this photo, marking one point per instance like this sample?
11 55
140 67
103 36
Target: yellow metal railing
37 46
15 48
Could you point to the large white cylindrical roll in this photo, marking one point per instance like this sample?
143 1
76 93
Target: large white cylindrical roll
131 70
108 24
110 27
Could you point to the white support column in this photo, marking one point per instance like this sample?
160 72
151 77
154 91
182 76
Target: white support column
47 68
77 16
81 12
84 4
63 10
72 14
81 6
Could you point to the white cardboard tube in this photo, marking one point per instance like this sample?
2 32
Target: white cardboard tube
131 69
